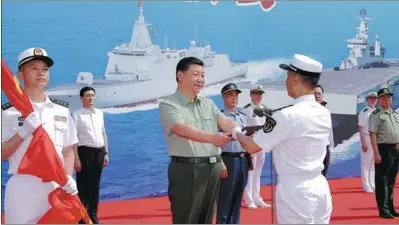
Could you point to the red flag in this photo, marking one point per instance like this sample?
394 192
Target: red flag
41 159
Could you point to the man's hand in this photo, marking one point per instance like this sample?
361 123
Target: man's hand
248 143
220 139
223 174
70 187
377 158
397 146
364 147
106 160
31 123
78 164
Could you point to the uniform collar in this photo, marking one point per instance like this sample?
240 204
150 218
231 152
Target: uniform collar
183 99
47 101
304 98
254 106
226 111
88 110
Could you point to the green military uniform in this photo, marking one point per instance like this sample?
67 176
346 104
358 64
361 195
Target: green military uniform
385 125
194 171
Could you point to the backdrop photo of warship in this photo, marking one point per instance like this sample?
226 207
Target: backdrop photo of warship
347 85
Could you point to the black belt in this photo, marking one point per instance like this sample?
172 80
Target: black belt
235 154
387 145
210 159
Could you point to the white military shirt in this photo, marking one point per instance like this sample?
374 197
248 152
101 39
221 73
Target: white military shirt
90 127
363 118
252 119
56 120
299 138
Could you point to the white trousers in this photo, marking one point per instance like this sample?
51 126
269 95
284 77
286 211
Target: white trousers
303 200
252 190
367 166
26 199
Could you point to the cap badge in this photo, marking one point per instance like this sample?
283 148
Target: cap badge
232 86
37 51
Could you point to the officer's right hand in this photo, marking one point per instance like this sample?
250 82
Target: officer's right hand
377 158
70 187
78 164
31 123
364 148
220 139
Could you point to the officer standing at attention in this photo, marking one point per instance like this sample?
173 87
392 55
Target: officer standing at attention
92 151
253 199
367 153
26 196
298 136
235 163
191 124
319 95
384 137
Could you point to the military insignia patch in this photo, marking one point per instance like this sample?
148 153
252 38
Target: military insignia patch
21 118
60 118
376 111
365 110
269 125
37 51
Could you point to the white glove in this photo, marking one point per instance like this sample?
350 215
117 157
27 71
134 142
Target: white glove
31 123
70 187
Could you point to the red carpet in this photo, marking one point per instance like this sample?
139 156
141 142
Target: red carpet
351 206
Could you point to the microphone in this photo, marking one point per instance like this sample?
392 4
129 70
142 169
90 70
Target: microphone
261 112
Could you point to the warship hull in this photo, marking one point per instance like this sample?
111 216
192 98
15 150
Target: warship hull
134 93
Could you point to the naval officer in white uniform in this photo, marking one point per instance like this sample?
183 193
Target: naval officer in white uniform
367 153
298 136
26 196
253 199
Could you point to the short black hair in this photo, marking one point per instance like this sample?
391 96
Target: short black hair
311 81
185 63
319 86
84 89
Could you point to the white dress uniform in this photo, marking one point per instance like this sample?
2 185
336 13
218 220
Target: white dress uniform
367 158
26 196
252 189
299 140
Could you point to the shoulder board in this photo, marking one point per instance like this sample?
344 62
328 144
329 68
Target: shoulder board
59 102
221 110
6 106
376 111
247 105
365 109
283 107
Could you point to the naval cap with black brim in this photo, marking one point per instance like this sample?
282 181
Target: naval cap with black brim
304 66
34 54
384 91
230 87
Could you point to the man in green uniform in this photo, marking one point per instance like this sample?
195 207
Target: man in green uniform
191 125
384 137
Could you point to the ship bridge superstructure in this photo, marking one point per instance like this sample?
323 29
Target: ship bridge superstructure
363 54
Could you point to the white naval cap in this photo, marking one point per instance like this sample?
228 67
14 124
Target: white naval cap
34 54
304 66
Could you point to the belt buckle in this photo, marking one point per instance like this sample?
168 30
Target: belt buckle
242 155
212 159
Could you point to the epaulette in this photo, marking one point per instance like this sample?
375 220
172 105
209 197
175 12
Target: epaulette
282 108
247 105
6 106
365 109
59 102
376 111
221 110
